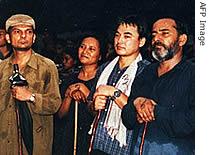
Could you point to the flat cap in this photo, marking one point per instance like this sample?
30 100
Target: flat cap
19 19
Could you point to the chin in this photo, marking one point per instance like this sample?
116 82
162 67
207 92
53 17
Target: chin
121 52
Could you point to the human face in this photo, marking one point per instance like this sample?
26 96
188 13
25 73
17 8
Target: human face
2 38
21 37
127 40
89 51
165 42
68 61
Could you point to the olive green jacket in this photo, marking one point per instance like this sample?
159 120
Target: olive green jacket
42 77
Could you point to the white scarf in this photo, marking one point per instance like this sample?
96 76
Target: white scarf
113 121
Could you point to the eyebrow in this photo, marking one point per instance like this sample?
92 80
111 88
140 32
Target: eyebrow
128 33
94 47
161 30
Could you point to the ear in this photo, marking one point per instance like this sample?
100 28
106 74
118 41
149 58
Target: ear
8 38
142 41
182 39
34 38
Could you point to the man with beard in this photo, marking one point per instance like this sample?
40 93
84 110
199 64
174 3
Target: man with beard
161 106
37 102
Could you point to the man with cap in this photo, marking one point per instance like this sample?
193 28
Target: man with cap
41 97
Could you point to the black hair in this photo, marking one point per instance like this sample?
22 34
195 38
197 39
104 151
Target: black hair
99 37
181 26
134 20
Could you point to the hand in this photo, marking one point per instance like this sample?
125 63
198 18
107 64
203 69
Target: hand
84 89
139 119
77 87
104 90
100 102
101 95
70 89
21 93
145 108
78 95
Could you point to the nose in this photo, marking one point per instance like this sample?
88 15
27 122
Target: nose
156 38
85 50
119 39
23 34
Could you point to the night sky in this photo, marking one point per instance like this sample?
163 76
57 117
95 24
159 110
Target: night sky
73 15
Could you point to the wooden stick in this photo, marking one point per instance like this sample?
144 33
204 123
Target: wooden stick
75 127
142 139
95 124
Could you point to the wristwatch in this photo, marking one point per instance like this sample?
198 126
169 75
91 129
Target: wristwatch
32 98
117 94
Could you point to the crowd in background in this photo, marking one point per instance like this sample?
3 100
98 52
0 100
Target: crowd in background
63 50
76 76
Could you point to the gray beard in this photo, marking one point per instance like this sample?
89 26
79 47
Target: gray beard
170 52
158 57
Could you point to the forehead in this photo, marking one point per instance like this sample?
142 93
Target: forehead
90 40
122 28
164 24
22 27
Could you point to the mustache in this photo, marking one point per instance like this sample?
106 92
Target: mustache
158 43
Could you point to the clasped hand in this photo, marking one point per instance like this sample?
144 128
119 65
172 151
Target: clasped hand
145 109
101 95
77 91
20 93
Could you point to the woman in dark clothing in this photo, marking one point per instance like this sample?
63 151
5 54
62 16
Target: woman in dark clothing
77 88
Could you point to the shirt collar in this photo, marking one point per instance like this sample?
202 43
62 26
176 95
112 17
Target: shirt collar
32 61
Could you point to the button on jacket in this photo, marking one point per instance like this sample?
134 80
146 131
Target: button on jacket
42 77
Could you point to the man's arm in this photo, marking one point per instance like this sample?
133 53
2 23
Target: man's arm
129 112
108 92
49 101
128 115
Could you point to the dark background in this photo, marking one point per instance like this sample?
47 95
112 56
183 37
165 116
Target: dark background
72 15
